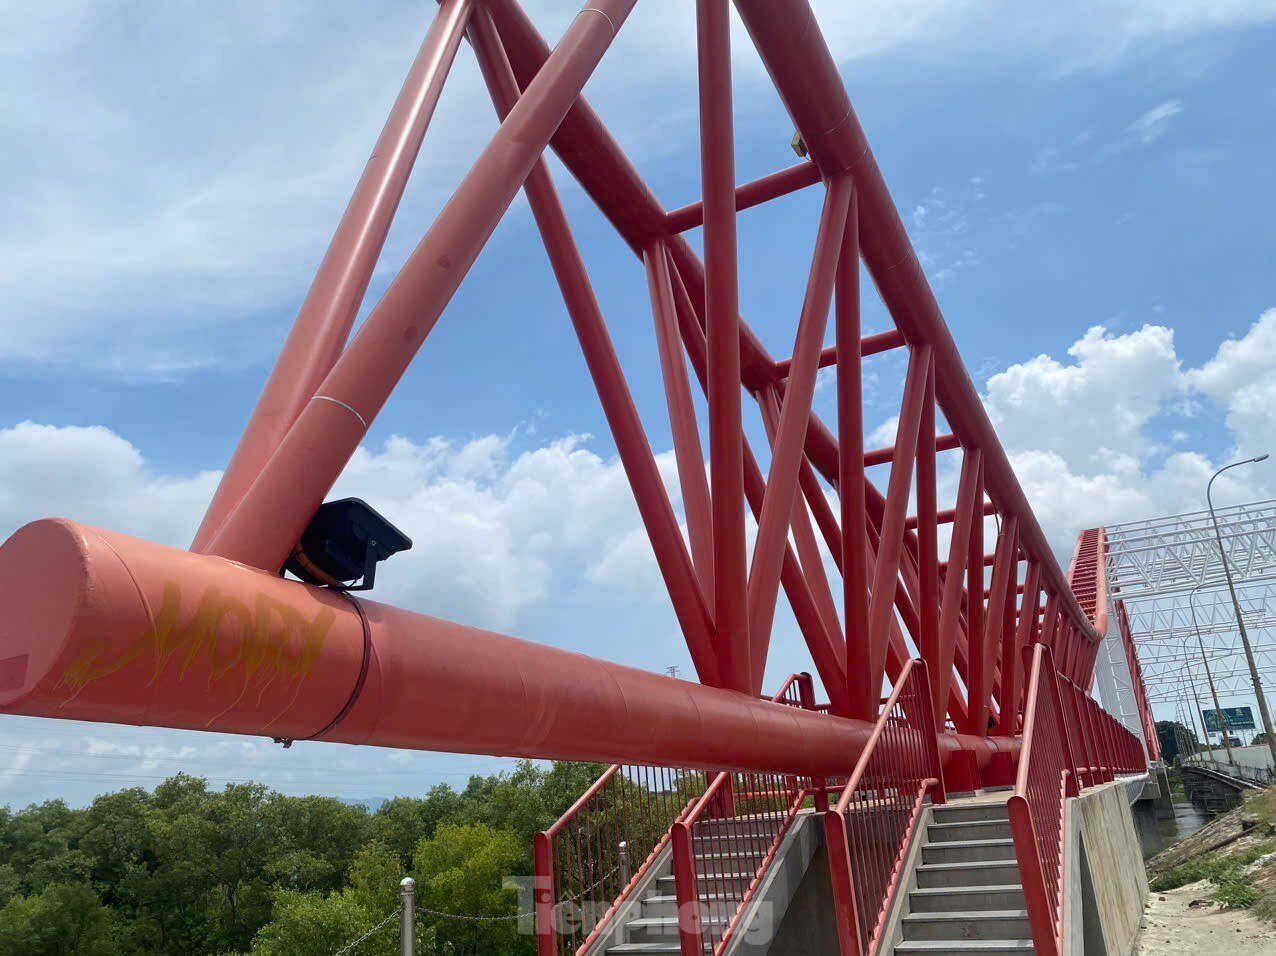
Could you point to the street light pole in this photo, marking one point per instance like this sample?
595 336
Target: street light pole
1200 714
1236 606
1209 676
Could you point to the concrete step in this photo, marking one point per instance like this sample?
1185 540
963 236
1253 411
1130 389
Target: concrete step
969 812
727 863
644 948
950 899
960 947
969 851
974 924
661 929
667 905
736 826
733 884
968 830
984 873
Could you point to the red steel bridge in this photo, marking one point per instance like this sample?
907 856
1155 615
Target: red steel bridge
948 651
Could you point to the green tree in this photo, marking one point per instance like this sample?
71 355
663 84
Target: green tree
317 837
62 920
1169 734
461 870
401 822
212 881
315 924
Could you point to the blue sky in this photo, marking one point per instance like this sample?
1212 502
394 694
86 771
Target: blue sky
1089 187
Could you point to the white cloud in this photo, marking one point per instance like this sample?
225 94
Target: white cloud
1155 123
1144 130
1066 37
95 476
1084 436
175 171
1097 406
1241 377
496 528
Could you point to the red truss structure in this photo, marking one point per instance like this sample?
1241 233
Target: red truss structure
100 626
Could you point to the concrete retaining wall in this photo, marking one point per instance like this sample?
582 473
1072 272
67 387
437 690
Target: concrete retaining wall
1105 886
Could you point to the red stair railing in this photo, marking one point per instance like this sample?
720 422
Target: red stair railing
583 873
722 847
589 862
869 830
1047 778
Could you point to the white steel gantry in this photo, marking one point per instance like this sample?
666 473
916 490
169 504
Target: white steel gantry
1168 575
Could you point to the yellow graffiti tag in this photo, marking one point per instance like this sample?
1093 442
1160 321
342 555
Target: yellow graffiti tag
256 644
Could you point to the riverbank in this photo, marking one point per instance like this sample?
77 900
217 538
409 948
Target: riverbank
1217 886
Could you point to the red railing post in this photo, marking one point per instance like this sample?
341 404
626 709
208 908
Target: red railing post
546 931
869 829
938 793
819 785
1032 876
847 919
690 919
1043 784
1103 734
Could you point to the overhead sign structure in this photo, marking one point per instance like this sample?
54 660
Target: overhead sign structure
1237 718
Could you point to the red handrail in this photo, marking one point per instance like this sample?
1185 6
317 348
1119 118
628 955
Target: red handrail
723 845
1069 742
587 864
1047 778
868 831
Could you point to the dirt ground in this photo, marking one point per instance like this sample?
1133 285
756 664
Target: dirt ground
1172 927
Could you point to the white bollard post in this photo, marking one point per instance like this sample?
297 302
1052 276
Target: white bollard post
407 917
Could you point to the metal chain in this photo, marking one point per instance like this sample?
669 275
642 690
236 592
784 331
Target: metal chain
350 946
499 919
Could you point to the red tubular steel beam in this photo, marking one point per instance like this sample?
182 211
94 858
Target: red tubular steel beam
601 167
883 456
890 551
974 562
870 345
984 652
861 695
790 437
726 448
749 195
604 367
1014 638
598 163
948 516
103 627
608 177
808 552
328 312
799 62
268 522
927 530
688 452
829 658
950 609
975 609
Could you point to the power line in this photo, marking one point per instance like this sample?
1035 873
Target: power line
453 771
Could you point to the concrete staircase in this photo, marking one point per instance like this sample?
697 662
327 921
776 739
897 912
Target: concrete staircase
966 897
728 855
